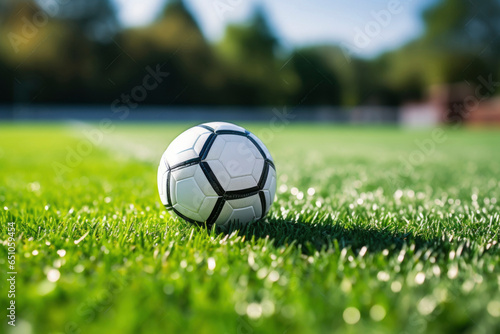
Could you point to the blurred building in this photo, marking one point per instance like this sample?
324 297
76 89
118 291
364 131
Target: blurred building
487 114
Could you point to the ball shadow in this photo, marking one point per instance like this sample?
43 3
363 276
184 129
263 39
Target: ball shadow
313 237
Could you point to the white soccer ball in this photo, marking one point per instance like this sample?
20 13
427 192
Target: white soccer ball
217 173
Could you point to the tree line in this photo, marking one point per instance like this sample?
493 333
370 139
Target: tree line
60 52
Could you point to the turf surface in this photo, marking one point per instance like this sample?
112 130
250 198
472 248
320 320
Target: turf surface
357 240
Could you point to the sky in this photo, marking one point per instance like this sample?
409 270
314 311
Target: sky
365 27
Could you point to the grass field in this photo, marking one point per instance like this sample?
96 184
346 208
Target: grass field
356 241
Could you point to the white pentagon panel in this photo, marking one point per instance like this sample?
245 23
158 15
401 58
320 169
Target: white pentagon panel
179 175
267 195
220 173
224 215
162 187
240 183
207 207
185 146
184 173
202 182
216 149
246 147
200 142
189 195
270 187
244 210
244 215
188 213
253 201
258 168
237 156
217 126
262 146
173 183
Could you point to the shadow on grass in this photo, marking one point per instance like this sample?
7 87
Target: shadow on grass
312 237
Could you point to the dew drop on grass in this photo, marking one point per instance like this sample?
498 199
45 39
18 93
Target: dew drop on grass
34 186
346 285
401 256
241 307
79 268
468 286
377 312
273 276
351 315
254 310
453 272
363 250
53 275
383 276
267 308
420 278
426 305
398 194
251 260
45 287
211 263
262 273
396 286
494 308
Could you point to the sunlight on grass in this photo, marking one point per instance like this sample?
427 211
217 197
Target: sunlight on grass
354 241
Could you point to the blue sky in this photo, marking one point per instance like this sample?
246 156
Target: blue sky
303 22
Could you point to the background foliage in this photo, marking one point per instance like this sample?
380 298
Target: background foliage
82 55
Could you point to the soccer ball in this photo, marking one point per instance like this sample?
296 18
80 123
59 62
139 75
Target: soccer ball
217 173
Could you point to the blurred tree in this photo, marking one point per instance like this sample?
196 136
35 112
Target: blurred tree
319 84
48 51
464 36
96 18
256 75
174 42
76 52
459 43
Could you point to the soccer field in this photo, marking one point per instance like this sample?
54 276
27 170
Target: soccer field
374 230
